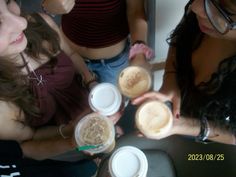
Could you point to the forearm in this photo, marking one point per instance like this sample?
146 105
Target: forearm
80 66
137 21
169 77
52 131
191 127
43 149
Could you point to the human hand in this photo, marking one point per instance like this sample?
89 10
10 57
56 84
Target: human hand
172 93
58 6
165 132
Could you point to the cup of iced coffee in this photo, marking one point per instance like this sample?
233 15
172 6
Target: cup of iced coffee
128 161
133 81
153 118
105 98
95 134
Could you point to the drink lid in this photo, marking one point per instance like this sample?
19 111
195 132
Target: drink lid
128 161
105 98
88 131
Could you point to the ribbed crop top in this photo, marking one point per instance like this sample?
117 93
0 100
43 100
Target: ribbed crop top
96 23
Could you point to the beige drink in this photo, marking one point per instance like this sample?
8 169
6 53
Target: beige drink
134 81
95 130
153 118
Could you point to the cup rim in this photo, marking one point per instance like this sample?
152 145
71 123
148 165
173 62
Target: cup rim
142 172
107 144
163 129
113 108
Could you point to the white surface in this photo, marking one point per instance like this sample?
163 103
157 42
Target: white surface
128 161
158 79
105 98
168 15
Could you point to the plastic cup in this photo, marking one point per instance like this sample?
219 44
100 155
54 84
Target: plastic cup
95 130
133 81
153 118
105 98
128 161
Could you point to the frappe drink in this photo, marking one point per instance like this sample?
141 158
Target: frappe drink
128 161
153 118
105 98
134 81
95 130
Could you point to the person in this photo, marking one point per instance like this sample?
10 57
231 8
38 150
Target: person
42 97
200 73
100 31
12 163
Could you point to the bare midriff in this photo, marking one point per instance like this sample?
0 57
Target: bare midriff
98 53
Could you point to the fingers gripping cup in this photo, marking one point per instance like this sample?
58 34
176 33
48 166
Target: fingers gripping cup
105 98
128 161
134 81
95 130
153 119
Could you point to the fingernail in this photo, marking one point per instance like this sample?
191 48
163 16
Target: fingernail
177 116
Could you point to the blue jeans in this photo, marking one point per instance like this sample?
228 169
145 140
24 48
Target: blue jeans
109 71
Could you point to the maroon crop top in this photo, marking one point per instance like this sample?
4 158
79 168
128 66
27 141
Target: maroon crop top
60 97
96 23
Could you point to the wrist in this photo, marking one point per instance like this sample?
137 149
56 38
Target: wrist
140 48
87 81
186 126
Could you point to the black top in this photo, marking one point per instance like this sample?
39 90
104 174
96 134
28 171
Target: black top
215 99
12 163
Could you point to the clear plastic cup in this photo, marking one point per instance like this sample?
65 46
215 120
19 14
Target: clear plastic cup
95 130
133 81
128 161
105 98
154 118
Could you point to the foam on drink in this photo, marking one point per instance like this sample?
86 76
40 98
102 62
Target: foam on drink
153 118
134 81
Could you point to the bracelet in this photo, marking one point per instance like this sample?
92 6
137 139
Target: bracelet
92 79
204 131
60 131
141 48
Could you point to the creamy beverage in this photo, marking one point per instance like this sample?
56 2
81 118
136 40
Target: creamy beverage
95 130
153 118
134 81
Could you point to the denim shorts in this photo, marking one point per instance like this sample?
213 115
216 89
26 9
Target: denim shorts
108 70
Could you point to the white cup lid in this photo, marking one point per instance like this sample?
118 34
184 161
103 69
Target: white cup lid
128 161
105 98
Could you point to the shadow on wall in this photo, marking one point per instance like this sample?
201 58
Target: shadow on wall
168 15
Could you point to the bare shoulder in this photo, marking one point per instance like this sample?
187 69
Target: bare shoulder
12 126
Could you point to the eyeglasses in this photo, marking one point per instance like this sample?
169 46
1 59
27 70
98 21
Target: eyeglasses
219 18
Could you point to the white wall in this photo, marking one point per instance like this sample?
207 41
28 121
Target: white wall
168 14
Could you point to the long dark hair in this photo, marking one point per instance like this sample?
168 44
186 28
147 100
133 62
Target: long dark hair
202 100
13 84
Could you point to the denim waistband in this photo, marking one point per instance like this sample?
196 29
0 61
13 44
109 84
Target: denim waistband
109 60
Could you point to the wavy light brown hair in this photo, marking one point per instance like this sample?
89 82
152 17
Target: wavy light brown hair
13 84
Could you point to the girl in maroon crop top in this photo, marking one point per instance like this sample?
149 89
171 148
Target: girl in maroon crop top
41 97
99 29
